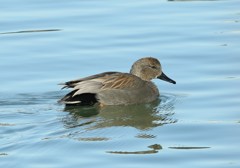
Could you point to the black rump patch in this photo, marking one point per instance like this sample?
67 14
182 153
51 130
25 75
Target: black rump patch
86 99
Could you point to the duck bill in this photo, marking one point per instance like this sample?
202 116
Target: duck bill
165 78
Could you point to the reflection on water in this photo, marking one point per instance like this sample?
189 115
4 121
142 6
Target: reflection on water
141 117
32 31
28 98
3 154
188 147
153 149
192 0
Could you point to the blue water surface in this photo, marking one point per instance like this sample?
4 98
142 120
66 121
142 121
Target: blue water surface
195 123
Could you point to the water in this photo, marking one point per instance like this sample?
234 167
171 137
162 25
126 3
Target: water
194 123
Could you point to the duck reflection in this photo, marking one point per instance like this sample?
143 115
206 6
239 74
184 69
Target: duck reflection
141 116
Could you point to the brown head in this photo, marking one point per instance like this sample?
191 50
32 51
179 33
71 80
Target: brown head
149 68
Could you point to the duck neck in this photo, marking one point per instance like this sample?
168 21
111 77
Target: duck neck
139 74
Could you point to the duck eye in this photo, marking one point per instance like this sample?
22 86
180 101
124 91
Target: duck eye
153 67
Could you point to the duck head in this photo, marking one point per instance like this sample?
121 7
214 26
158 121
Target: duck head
149 68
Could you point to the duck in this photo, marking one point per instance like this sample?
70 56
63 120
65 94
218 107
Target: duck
117 88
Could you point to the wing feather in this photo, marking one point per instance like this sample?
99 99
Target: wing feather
122 81
73 83
95 84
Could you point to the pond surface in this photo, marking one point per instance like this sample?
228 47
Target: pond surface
195 123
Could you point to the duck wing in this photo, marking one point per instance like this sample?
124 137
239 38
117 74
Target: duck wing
73 83
85 89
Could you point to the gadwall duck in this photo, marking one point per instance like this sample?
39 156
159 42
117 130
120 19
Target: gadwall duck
117 88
